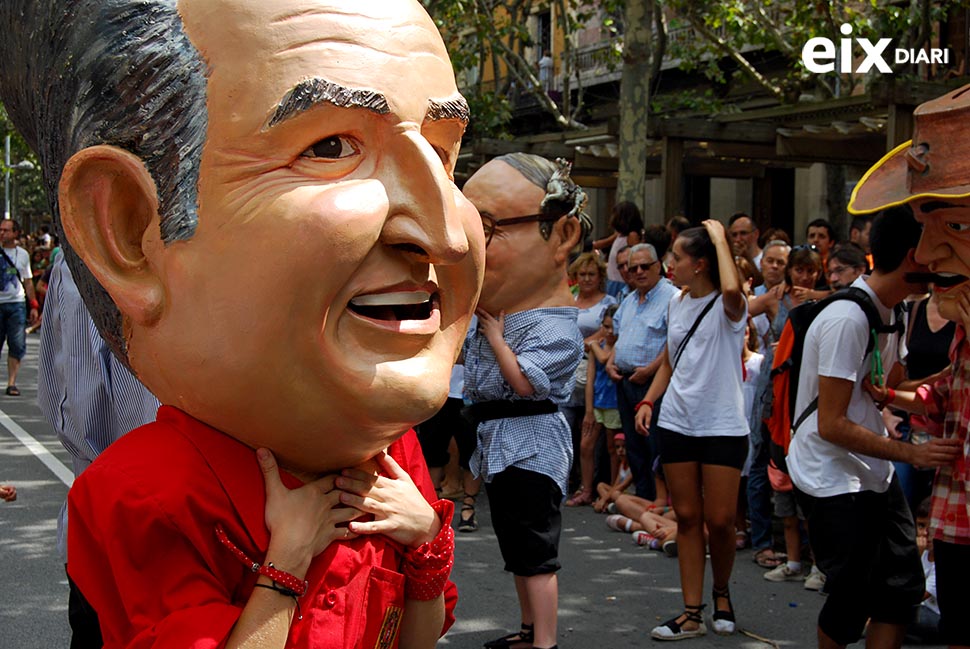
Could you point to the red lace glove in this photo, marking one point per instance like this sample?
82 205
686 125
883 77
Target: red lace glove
428 566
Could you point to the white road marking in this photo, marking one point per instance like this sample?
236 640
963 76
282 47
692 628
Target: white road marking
57 467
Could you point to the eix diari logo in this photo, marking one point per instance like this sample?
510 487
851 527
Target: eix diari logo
819 54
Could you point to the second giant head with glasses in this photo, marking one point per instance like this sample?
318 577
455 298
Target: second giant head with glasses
533 219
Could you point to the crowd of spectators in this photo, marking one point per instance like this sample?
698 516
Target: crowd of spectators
43 247
637 291
696 492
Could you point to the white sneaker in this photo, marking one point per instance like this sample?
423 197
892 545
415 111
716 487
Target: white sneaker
783 573
815 580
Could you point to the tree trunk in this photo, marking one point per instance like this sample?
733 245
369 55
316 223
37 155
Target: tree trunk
634 104
835 199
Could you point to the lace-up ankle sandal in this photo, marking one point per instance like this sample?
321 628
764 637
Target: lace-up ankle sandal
467 523
673 629
518 640
723 621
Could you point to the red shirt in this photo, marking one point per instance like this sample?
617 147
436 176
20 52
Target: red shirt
142 545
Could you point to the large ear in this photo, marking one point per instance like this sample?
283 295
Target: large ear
107 201
567 231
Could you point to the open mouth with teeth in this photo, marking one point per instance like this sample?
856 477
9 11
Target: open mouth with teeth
405 305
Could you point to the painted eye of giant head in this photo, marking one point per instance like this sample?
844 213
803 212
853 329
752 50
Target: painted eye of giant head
334 147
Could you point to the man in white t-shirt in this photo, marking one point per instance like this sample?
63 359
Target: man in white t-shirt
45 240
860 527
14 279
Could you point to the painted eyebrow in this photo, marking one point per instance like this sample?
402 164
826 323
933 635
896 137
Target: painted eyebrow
932 206
312 92
454 108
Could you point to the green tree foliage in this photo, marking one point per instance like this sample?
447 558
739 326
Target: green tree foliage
29 200
495 33
729 37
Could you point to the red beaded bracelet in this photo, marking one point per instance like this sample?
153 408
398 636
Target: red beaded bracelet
645 402
297 587
428 566
34 304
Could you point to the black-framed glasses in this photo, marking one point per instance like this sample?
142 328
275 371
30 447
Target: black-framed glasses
636 268
491 225
838 270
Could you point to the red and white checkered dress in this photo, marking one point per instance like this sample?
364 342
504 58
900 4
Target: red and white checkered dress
948 406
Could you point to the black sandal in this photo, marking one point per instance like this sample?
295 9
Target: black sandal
469 524
518 640
723 621
673 629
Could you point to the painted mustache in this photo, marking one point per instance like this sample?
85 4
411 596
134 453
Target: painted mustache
943 280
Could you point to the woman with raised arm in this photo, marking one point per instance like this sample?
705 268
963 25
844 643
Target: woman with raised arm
702 425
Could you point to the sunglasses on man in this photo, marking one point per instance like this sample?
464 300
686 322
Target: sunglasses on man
636 268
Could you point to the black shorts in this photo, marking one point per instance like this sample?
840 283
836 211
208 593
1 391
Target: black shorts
952 578
435 435
527 521
865 544
721 450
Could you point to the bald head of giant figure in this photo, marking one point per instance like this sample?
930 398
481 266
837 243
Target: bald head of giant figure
259 205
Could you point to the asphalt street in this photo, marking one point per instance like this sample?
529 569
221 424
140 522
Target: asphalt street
612 592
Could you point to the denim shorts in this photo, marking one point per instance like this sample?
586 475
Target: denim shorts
13 322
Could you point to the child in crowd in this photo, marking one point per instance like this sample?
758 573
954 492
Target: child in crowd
753 366
925 629
786 509
601 406
608 493
649 525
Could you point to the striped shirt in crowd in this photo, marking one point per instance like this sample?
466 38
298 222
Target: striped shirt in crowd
85 393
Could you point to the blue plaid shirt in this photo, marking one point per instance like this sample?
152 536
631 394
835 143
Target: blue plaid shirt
641 329
548 346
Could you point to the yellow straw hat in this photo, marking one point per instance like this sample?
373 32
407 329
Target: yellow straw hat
934 164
